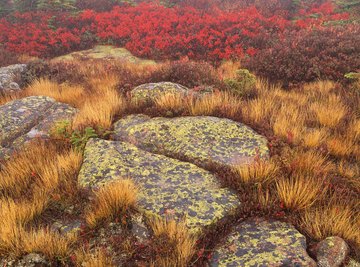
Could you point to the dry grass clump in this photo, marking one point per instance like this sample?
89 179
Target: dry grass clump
174 242
319 87
340 146
99 258
223 103
332 220
99 109
329 111
38 165
112 200
314 137
260 109
171 102
262 171
310 163
66 93
300 192
354 130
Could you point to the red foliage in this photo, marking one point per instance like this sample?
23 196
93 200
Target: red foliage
154 31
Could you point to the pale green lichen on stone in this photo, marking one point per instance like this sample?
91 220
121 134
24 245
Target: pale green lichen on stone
27 118
202 140
149 92
166 185
258 242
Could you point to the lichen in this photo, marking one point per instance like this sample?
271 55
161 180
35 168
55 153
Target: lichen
167 186
201 140
258 242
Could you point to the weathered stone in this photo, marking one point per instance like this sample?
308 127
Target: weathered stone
204 141
149 92
10 77
28 118
69 227
167 186
258 242
331 252
353 263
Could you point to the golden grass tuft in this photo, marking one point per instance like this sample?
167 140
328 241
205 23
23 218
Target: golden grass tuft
300 192
340 146
329 111
99 110
332 220
262 171
112 200
171 102
310 163
314 137
174 241
323 87
259 110
99 258
70 94
223 103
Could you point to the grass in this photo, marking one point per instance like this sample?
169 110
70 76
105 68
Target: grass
113 200
338 219
258 172
300 192
99 258
314 132
173 241
330 111
70 94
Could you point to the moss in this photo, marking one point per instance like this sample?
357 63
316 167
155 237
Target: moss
167 186
201 140
243 84
258 242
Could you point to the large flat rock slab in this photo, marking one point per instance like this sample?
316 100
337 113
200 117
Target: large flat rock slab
259 242
167 186
202 140
31 117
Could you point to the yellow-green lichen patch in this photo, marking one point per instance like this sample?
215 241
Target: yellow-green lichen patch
167 186
259 242
200 140
106 52
28 118
150 91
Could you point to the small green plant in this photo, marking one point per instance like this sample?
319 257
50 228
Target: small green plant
243 84
352 75
77 138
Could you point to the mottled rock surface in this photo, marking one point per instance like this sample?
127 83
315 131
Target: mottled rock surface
331 252
10 77
202 140
24 119
151 91
258 242
167 186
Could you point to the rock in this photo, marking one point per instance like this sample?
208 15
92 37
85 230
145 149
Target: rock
64 228
259 242
204 141
150 91
167 186
29 260
353 263
10 77
331 252
28 118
